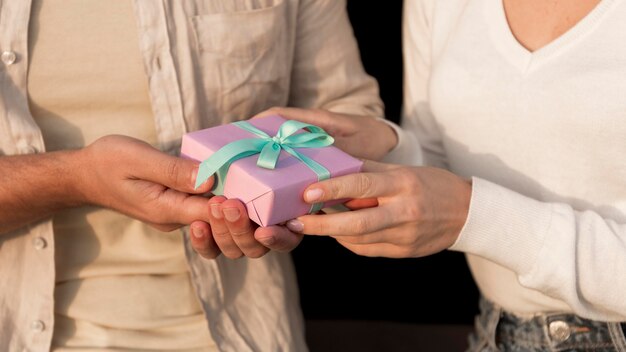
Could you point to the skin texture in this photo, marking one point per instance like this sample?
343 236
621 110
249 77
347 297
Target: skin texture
536 23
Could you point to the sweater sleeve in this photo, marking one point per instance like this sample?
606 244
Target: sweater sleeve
418 124
575 256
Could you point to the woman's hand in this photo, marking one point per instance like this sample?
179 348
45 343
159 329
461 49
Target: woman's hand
361 136
398 211
231 232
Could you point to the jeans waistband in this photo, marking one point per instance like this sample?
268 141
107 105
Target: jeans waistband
500 330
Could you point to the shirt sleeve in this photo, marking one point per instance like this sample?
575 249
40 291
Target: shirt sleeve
327 71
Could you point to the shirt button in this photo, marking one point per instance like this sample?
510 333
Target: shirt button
559 330
8 57
39 243
37 326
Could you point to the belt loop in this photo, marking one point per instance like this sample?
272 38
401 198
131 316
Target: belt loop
492 325
617 335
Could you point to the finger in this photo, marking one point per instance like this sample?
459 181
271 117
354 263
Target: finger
304 115
342 224
241 228
170 171
202 240
378 250
221 233
278 238
175 207
334 124
397 235
359 185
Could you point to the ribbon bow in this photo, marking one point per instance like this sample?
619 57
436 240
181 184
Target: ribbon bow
269 149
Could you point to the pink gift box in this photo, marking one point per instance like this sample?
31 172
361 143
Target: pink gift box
270 196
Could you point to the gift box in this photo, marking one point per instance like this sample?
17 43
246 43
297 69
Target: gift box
267 163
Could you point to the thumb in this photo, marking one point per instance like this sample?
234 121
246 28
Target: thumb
173 172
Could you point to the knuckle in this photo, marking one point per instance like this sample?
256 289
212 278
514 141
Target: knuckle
221 235
320 228
241 233
208 253
413 212
172 170
409 179
360 225
233 254
363 185
256 252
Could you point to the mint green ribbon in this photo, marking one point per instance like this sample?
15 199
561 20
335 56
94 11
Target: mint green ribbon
269 149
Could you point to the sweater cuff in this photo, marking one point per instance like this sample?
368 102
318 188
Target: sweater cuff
407 151
504 227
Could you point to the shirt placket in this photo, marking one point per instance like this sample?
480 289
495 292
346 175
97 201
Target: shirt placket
163 80
166 99
14 19
32 301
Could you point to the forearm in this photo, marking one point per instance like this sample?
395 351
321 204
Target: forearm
33 187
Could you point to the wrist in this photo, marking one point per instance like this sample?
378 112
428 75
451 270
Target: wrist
390 136
76 170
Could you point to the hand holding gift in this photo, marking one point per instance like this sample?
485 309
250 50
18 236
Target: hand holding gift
266 164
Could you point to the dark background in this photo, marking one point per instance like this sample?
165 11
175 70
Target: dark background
336 284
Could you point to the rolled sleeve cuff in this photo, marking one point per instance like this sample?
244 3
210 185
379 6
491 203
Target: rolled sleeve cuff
504 227
407 151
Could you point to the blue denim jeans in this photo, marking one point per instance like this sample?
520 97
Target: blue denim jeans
497 330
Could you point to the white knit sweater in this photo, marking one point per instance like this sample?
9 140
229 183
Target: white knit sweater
543 135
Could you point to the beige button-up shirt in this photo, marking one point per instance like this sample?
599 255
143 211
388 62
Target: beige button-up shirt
208 62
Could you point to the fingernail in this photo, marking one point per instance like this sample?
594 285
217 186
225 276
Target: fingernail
295 225
231 214
215 210
198 232
313 195
267 241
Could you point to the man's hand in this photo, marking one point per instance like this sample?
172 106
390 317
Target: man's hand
133 178
231 232
116 172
